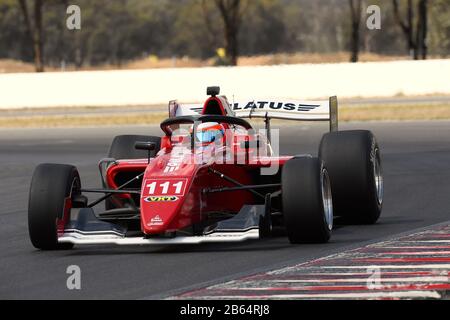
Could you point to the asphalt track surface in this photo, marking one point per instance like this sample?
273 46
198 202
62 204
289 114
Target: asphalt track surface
416 161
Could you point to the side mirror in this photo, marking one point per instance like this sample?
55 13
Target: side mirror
144 145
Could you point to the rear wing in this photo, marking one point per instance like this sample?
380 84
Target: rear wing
324 110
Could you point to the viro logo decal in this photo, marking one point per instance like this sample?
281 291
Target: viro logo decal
161 199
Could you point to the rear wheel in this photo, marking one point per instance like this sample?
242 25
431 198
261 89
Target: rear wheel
122 147
53 187
354 164
306 200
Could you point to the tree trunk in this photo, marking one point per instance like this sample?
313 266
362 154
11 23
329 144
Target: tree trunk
412 46
231 15
34 33
231 46
423 17
355 11
355 43
416 38
38 37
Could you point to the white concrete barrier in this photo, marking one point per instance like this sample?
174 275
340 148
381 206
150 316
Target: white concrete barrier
158 86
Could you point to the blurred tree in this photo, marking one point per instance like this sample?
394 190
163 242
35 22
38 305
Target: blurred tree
115 32
231 12
263 28
34 30
415 37
210 18
35 26
355 14
196 30
439 27
14 42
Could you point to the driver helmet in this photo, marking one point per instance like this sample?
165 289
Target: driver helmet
209 132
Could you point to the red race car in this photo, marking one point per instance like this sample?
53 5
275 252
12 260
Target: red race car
211 177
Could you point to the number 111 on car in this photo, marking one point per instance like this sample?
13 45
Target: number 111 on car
164 187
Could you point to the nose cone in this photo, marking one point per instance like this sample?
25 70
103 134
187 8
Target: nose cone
165 188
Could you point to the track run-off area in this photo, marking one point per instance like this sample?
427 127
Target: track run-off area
412 266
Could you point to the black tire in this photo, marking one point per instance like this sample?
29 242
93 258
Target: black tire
354 165
303 200
51 184
122 147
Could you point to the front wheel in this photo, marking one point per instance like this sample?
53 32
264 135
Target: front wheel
306 200
53 187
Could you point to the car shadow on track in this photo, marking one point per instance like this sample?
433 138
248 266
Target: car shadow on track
262 245
250 246
277 242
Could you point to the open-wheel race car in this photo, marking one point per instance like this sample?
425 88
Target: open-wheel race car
212 178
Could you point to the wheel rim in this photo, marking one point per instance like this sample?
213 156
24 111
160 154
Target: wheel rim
378 177
326 198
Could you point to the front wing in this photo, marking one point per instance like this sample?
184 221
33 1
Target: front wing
87 229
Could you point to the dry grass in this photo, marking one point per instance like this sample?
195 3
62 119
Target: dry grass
395 112
346 113
297 58
9 65
261 60
49 121
151 62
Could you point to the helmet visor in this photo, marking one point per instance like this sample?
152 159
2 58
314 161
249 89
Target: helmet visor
208 136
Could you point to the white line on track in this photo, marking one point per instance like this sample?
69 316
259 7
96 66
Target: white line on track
382 279
412 247
427 241
417 253
366 295
385 273
393 266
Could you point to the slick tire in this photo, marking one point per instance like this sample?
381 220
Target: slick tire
122 147
52 188
353 161
306 200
